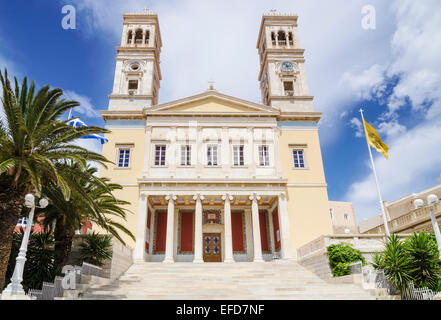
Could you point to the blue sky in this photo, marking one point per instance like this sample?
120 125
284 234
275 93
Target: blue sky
393 72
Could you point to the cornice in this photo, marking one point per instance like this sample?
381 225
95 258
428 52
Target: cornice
211 180
215 94
134 97
127 114
300 116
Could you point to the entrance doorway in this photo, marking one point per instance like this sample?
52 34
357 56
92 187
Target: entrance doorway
212 247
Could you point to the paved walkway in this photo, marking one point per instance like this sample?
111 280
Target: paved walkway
224 281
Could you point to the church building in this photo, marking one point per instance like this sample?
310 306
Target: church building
212 177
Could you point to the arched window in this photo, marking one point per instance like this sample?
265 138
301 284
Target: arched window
138 36
129 37
147 37
273 38
281 37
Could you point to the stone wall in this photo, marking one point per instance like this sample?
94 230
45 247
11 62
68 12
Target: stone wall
113 268
313 255
122 259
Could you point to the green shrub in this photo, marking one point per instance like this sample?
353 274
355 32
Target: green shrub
341 256
378 261
96 249
39 266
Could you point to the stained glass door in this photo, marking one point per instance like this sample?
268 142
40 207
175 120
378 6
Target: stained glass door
212 247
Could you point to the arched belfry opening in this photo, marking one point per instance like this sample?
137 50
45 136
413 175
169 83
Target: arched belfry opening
281 37
129 36
138 36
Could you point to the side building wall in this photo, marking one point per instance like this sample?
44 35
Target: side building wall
307 201
127 177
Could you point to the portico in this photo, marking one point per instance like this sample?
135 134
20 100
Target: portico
213 222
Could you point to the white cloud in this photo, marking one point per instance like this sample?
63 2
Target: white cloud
85 108
366 84
417 45
355 123
391 128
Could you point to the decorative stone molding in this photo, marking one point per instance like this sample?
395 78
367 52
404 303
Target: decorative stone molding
254 196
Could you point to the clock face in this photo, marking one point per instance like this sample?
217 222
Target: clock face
287 66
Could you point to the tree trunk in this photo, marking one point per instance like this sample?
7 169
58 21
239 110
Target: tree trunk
11 204
63 236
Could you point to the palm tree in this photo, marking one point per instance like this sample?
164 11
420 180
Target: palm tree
91 199
33 140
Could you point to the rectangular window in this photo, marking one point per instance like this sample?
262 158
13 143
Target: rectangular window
211 155
160 155
133 84
288 86
185 155
263 156
123 158
299 161
238 159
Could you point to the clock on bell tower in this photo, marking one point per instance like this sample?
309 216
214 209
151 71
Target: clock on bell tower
282 73
137 72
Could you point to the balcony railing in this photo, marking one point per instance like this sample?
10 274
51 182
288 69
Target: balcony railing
410 220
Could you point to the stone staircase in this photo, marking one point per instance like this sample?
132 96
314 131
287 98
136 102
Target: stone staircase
224 281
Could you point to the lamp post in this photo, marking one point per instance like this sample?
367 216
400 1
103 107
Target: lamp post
15 288
432 201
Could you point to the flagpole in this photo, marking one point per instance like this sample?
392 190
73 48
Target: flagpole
383 212
70 114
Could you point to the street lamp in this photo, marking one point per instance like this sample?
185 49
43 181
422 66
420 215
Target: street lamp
432 201
15 288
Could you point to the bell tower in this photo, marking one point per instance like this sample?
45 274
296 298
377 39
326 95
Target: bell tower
282 75
137 72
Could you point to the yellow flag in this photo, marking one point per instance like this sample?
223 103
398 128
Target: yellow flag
374 140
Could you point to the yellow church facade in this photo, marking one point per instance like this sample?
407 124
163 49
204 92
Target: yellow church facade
211 177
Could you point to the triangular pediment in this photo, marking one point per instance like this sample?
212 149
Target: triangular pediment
212 102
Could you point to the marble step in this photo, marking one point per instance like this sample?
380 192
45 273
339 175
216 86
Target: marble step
223 281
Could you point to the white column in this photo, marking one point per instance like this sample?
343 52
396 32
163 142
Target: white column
271 231
169 245
132 41
256 228
198 258
228 232
143 36
141 230
283 227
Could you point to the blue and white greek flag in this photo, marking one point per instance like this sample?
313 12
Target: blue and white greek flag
78 123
